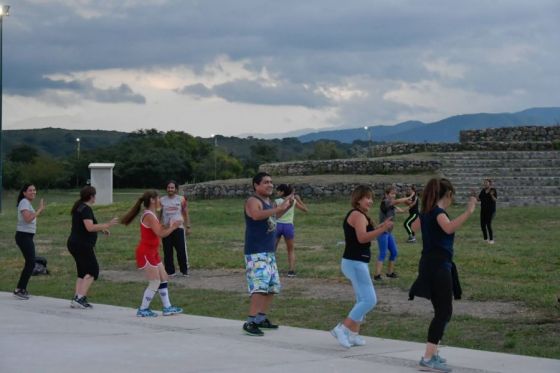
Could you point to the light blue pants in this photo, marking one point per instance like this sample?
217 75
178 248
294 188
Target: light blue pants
358 274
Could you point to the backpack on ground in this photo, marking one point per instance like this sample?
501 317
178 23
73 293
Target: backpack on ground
40 266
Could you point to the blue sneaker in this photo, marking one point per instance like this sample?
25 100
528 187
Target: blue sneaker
434 365
441 359
171 310
145 313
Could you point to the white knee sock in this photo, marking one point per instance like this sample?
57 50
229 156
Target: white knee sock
164 294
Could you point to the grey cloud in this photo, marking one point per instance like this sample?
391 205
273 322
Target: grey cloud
312 43
253 92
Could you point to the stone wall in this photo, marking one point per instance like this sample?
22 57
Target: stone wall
512 134
364 166
306 190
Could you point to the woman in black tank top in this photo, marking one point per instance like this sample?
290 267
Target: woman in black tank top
358 234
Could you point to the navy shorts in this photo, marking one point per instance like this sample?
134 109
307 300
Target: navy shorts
286 230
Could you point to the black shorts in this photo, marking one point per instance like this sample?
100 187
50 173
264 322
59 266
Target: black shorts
86 262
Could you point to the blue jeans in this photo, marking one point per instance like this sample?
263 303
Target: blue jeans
358 274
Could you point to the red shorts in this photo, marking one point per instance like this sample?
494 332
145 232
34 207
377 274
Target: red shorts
145 257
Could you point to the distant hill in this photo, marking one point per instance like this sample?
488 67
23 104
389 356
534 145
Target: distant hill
60 142
446 130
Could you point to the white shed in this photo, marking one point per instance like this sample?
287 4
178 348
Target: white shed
102 180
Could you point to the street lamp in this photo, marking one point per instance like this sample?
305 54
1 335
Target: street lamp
77 162
78 147
215 137
366 128
4 11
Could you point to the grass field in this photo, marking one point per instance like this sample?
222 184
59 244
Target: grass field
522 267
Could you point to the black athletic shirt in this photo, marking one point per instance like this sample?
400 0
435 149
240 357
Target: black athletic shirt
487 204
79 234
355 250
414 206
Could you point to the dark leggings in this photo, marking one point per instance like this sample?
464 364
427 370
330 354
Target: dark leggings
442 300
408 223
175 239
486 224
27 247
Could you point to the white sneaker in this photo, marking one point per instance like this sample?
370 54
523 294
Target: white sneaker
491 242
340 332
355 339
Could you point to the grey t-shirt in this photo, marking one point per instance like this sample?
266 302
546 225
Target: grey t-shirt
386 211
22 225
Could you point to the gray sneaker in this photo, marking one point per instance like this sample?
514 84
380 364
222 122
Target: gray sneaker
433 365
21 294
81 303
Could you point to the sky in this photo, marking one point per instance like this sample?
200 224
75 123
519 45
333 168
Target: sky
258 67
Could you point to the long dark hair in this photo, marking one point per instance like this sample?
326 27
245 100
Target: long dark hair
435 190
286 189
85 195
143 200
20 195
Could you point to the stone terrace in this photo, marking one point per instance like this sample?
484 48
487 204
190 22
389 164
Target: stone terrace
521 177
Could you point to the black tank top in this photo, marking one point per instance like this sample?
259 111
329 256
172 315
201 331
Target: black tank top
354 250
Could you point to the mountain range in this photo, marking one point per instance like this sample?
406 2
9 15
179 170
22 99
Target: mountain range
445 130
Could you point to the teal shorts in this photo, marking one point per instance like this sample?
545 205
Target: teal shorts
262 273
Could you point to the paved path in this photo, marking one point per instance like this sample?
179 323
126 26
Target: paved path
46 335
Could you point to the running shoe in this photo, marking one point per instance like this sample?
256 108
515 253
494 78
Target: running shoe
433 365
355 339
171 310
266 324
392 275
79 302
21 294
252 329
291 273
340 332
145 313
377 278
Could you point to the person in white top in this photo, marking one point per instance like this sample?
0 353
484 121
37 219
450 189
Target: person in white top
174 208
26 228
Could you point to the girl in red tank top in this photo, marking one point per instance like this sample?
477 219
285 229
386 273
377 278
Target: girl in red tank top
147 254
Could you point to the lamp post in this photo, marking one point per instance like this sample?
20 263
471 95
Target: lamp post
77 162
4 11
366 128
215 137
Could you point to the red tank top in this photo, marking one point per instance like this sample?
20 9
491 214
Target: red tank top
148 239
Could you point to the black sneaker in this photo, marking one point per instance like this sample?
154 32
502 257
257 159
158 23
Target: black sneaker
291 273
21 294
80 303
252 329
377 278
266 324
392 275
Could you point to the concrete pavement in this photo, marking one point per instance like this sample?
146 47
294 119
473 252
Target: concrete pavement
45 335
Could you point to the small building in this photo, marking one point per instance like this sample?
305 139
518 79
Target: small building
101 178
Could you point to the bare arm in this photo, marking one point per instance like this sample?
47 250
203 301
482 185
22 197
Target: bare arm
28 216
186 216
451 226
299 204
359 222
253 209
151 222
91 227
416 225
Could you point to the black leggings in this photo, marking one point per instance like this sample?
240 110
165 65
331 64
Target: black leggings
86 262
27 246
486 224
175 239
442 300
408 223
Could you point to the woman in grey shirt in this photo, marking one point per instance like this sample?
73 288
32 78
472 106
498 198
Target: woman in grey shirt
26 228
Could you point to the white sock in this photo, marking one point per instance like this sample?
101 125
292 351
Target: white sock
148 296
164 294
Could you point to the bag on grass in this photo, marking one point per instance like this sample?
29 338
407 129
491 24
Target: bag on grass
40 266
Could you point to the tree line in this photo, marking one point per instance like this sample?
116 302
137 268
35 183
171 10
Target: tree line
148 158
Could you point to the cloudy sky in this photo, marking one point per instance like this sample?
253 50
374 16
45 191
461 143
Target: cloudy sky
268 66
